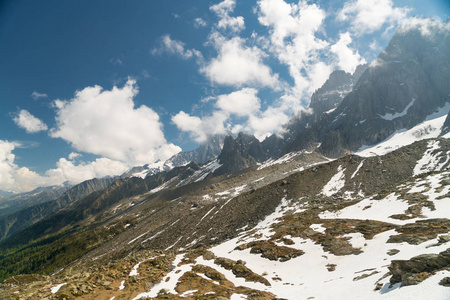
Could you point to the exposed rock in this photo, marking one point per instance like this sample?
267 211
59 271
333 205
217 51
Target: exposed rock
445 281
331 267
272 251
420 231
240 270
393 252
418 268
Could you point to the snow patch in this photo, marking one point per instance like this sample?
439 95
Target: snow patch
134 272
336 183
430 161
430 128
56 288
390 117
357 169
284 159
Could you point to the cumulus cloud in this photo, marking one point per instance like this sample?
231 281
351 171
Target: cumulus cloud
245 105
348 59
74 155
238 64
292 29
200 128
223 10
68 170
177 47
35 95
267 122
241 103
6 164
199 22
367 16
14 178
106 123
30 123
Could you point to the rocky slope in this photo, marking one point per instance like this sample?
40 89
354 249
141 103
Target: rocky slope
354 224
19 220
15 202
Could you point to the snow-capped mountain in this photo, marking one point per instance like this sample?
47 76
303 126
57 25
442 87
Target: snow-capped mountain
206 152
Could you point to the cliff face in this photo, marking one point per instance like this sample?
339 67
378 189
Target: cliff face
405 84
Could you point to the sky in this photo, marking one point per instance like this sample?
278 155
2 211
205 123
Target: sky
90 88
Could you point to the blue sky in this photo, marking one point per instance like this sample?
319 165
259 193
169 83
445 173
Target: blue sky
91 88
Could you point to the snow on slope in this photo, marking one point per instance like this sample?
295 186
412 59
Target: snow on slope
284 159
310 276
335 184
431 160
390 117
430 128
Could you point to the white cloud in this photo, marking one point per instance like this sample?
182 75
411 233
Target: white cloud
35 95
74 173
238 64
200 128
223 10
176 47
268 122
21 179
425 26
199 22
292 29
74 155
106 123
241 103
30 123
367 16
245 105
348 59
6 164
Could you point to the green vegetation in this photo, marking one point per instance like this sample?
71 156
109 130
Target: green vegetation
45 255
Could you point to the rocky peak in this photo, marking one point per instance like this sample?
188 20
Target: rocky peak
404 85
207 151
240 153
338 85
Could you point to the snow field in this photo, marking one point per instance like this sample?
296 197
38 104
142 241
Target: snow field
336 183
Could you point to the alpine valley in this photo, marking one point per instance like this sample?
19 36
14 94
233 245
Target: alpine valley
350 201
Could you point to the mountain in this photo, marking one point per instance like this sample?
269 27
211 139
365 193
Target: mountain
400 89
37 205
334 90
207 151
16 202
315 232
240 153
349 201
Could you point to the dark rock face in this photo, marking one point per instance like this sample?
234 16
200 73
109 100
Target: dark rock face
240 153
418 268
334 90
446 126
399 90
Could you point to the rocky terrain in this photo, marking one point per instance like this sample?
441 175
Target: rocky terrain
306 234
